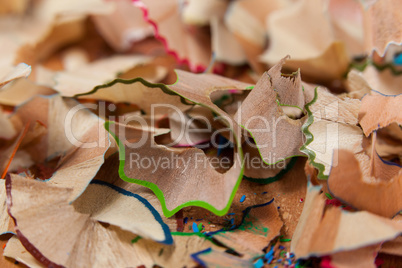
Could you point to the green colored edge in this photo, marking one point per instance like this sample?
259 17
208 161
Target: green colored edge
310 138
158 192
362 66
287 105
202 235
387 66
162 87
135 240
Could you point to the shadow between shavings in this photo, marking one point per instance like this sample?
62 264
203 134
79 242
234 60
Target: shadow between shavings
277 177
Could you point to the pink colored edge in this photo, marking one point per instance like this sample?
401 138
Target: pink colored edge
194 68
190 145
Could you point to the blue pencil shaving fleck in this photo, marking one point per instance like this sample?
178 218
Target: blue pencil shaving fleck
398 59
195 228
269 260
242 198
270 255
259 264
185 220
